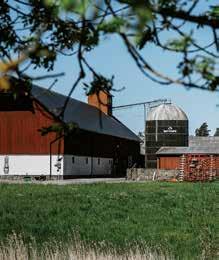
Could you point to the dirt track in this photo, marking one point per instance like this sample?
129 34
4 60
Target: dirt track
66 182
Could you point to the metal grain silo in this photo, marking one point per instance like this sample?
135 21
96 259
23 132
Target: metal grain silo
166 125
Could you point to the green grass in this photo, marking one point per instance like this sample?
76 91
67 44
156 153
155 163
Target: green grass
180 218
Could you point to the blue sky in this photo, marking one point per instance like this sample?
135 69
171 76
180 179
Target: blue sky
112 58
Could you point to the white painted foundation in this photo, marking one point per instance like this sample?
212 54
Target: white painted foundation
37 165
82 165
30 165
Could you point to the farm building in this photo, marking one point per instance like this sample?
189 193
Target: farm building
169 147
198 161
100 145
166 125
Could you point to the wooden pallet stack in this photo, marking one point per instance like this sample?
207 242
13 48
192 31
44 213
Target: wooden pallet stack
197 167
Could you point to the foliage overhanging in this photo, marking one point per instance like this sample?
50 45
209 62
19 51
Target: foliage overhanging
38 31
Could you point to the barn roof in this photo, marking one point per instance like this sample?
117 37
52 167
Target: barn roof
197 145
204 141
188 150
86 116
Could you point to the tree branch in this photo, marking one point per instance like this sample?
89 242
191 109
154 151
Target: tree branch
45 76
202 20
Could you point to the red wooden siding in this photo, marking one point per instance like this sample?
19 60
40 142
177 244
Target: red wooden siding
19 132
169 163
217 165
217 162
173 162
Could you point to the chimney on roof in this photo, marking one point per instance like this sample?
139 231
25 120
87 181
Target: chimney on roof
101 100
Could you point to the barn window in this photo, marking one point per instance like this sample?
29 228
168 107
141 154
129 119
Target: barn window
73 159
86 160
98 161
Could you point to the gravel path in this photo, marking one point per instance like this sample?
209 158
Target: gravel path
69 181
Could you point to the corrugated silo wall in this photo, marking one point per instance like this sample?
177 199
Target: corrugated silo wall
163 133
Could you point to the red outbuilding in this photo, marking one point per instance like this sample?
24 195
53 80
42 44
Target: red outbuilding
198 161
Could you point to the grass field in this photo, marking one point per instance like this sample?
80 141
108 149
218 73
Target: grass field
178 219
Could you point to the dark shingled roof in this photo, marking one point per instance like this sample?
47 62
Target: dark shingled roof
86 116
197 145
188 150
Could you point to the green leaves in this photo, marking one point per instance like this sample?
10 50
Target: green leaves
59 128
205 66
202 130
144 15
146 37
67 26
77 6
99 83
180 44
140 13
167 4
44 56
214 83
202 66
215 11
113 26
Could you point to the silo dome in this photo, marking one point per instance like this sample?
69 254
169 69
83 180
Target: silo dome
166 111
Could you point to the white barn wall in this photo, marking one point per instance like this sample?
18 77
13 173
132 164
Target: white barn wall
103 166
37 165
30 165
83 165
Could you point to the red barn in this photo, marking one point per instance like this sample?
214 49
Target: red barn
101 145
